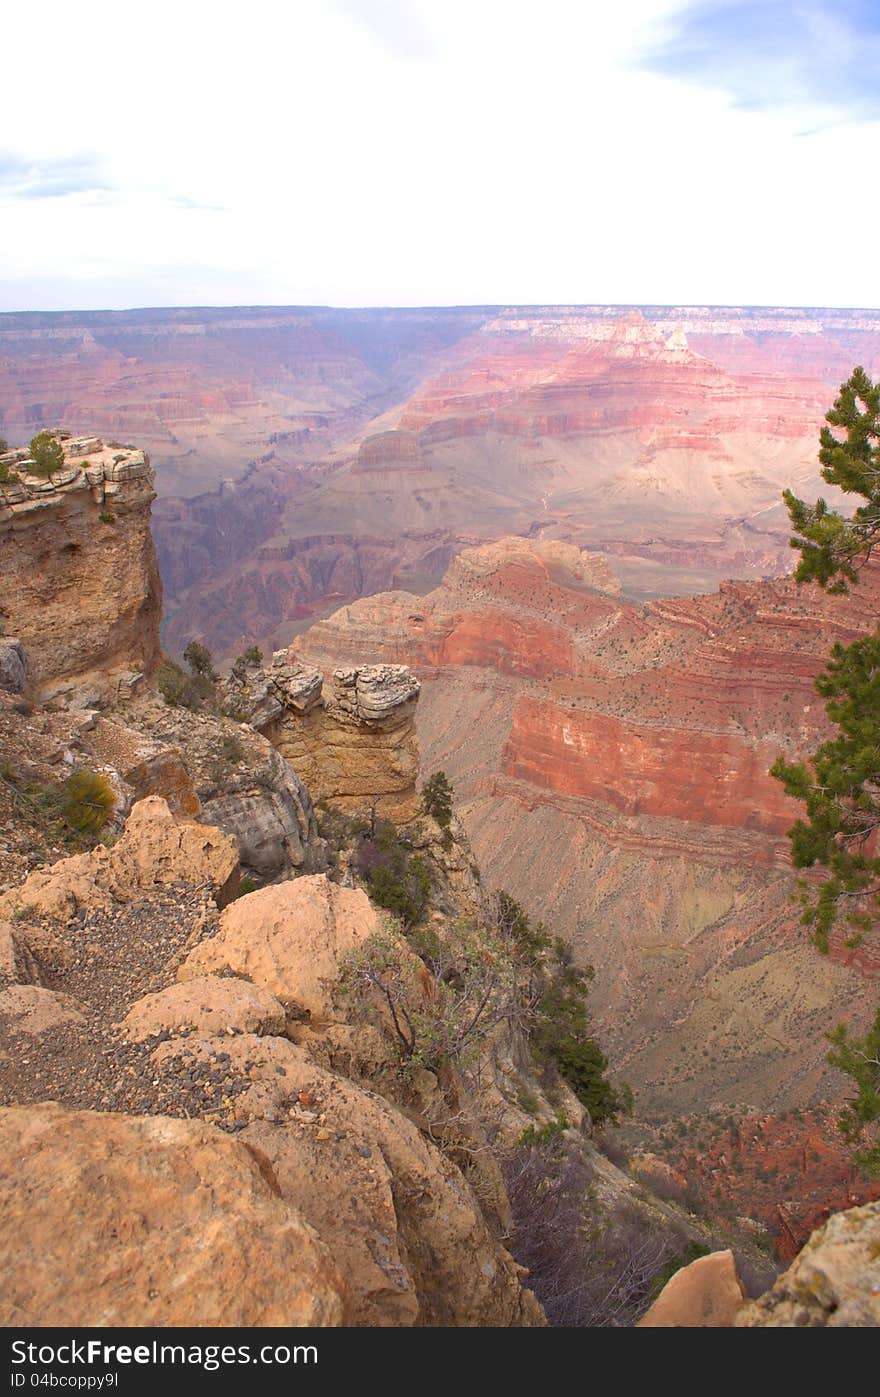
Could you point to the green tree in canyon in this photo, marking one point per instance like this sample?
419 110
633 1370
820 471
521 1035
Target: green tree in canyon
840 783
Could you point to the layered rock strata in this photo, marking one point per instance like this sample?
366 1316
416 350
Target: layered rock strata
81 581
628 747
351 739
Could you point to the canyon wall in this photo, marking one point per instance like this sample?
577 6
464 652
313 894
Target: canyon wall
81 583
624 749
308 456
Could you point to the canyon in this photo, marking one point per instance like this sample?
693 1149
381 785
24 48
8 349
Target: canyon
308 456
168 1023
625 749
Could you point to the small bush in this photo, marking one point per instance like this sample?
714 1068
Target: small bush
182 690
107 516
47 454
396 879
88 801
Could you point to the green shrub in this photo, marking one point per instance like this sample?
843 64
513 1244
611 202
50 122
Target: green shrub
437 799
199 660
47 454
396 879
560 1034
88 801
182 690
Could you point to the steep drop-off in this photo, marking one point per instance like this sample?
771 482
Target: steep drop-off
626 749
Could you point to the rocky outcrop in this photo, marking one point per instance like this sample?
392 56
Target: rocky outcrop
290 939
351 740
707 1294
179 1016
81 581
155 850
187 1227
834 1283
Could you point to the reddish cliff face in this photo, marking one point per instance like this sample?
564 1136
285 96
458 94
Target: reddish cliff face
306 457
611 761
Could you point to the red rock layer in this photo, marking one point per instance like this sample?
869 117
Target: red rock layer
612 765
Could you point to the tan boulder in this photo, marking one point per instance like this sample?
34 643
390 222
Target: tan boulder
156 848
833 1282
120 1220
707 1294
290 938
31 1009
207 1005
402 1223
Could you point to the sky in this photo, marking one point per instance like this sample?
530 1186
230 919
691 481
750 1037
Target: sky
439 152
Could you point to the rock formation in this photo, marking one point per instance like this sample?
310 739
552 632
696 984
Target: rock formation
834 1283
81 581
155 849
662 437
352 741
707 1294
332 1204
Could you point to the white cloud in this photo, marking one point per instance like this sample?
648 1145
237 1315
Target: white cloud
378 151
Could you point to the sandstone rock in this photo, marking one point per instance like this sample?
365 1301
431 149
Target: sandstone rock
8 969
155 849
83 592
31 1009
159 770
357 748
291 939
707 1294
834 1282
114 1220
269 811
401 1222
207 1005
13 665
236 780
297 687
373 692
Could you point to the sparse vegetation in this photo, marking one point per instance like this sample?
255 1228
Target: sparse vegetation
396 878
193 690
88 801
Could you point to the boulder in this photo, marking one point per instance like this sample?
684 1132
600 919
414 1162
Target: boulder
707 1294
207 1005
290 938
833 1282
31 1009
155 849
147 1221
13 665
402 1223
